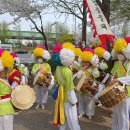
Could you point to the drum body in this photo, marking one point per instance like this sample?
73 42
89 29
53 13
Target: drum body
113 95
89 88
44 80
74 69
84 83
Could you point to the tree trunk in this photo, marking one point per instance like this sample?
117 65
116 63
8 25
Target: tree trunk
84 23
45 39
105 7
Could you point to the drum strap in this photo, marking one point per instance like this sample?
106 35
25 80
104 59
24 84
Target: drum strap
89 75
44 68
121 67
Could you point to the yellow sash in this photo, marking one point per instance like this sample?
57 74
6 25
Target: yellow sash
44 68
123 71
59 116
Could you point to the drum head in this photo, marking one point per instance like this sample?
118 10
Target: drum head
23 97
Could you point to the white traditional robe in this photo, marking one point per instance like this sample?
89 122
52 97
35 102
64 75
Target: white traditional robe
86 105
71 113
122 111
6 122
42 92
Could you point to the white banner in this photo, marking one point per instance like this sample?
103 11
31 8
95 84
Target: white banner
97 16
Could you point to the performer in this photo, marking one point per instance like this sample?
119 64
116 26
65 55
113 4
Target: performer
42 68
25 73
86 103
121 69
15 76
65 106
103 56
6 107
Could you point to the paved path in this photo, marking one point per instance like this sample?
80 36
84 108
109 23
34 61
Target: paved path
41 120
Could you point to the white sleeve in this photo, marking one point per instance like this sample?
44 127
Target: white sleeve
14 85
23 80
26 71
72 97
125 80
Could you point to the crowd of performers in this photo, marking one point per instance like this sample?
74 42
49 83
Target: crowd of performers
80 78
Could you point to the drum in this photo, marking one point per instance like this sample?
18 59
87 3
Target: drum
88 87
113 95
4 82
79 80
42 79
23 97
74 69
84 82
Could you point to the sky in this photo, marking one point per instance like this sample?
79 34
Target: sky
25 26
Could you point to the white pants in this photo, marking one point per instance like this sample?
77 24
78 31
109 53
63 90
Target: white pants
6 122
71 118
121 116
86 105
41 94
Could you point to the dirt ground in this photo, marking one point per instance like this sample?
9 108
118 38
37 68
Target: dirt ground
42 119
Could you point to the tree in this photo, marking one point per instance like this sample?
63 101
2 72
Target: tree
71 7
30 10
120 10
125 30
4 28
66 38
56 27
105 7
61 28
77 8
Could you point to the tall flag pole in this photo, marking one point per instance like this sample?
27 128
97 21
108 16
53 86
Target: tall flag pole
99 23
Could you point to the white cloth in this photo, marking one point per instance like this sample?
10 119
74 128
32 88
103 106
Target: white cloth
41 94
14 85
100 89
23 80
71 116
121 116
122 111
125 80
6 122
86 105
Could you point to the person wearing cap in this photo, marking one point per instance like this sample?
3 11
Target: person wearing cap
15 75
86 105
42 56
76 64
6 107
121 55
65 115
25 73
103 56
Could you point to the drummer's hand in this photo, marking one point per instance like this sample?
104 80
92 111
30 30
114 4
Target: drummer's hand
113 81
95 65
39 70
73 104
114 74
12 88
